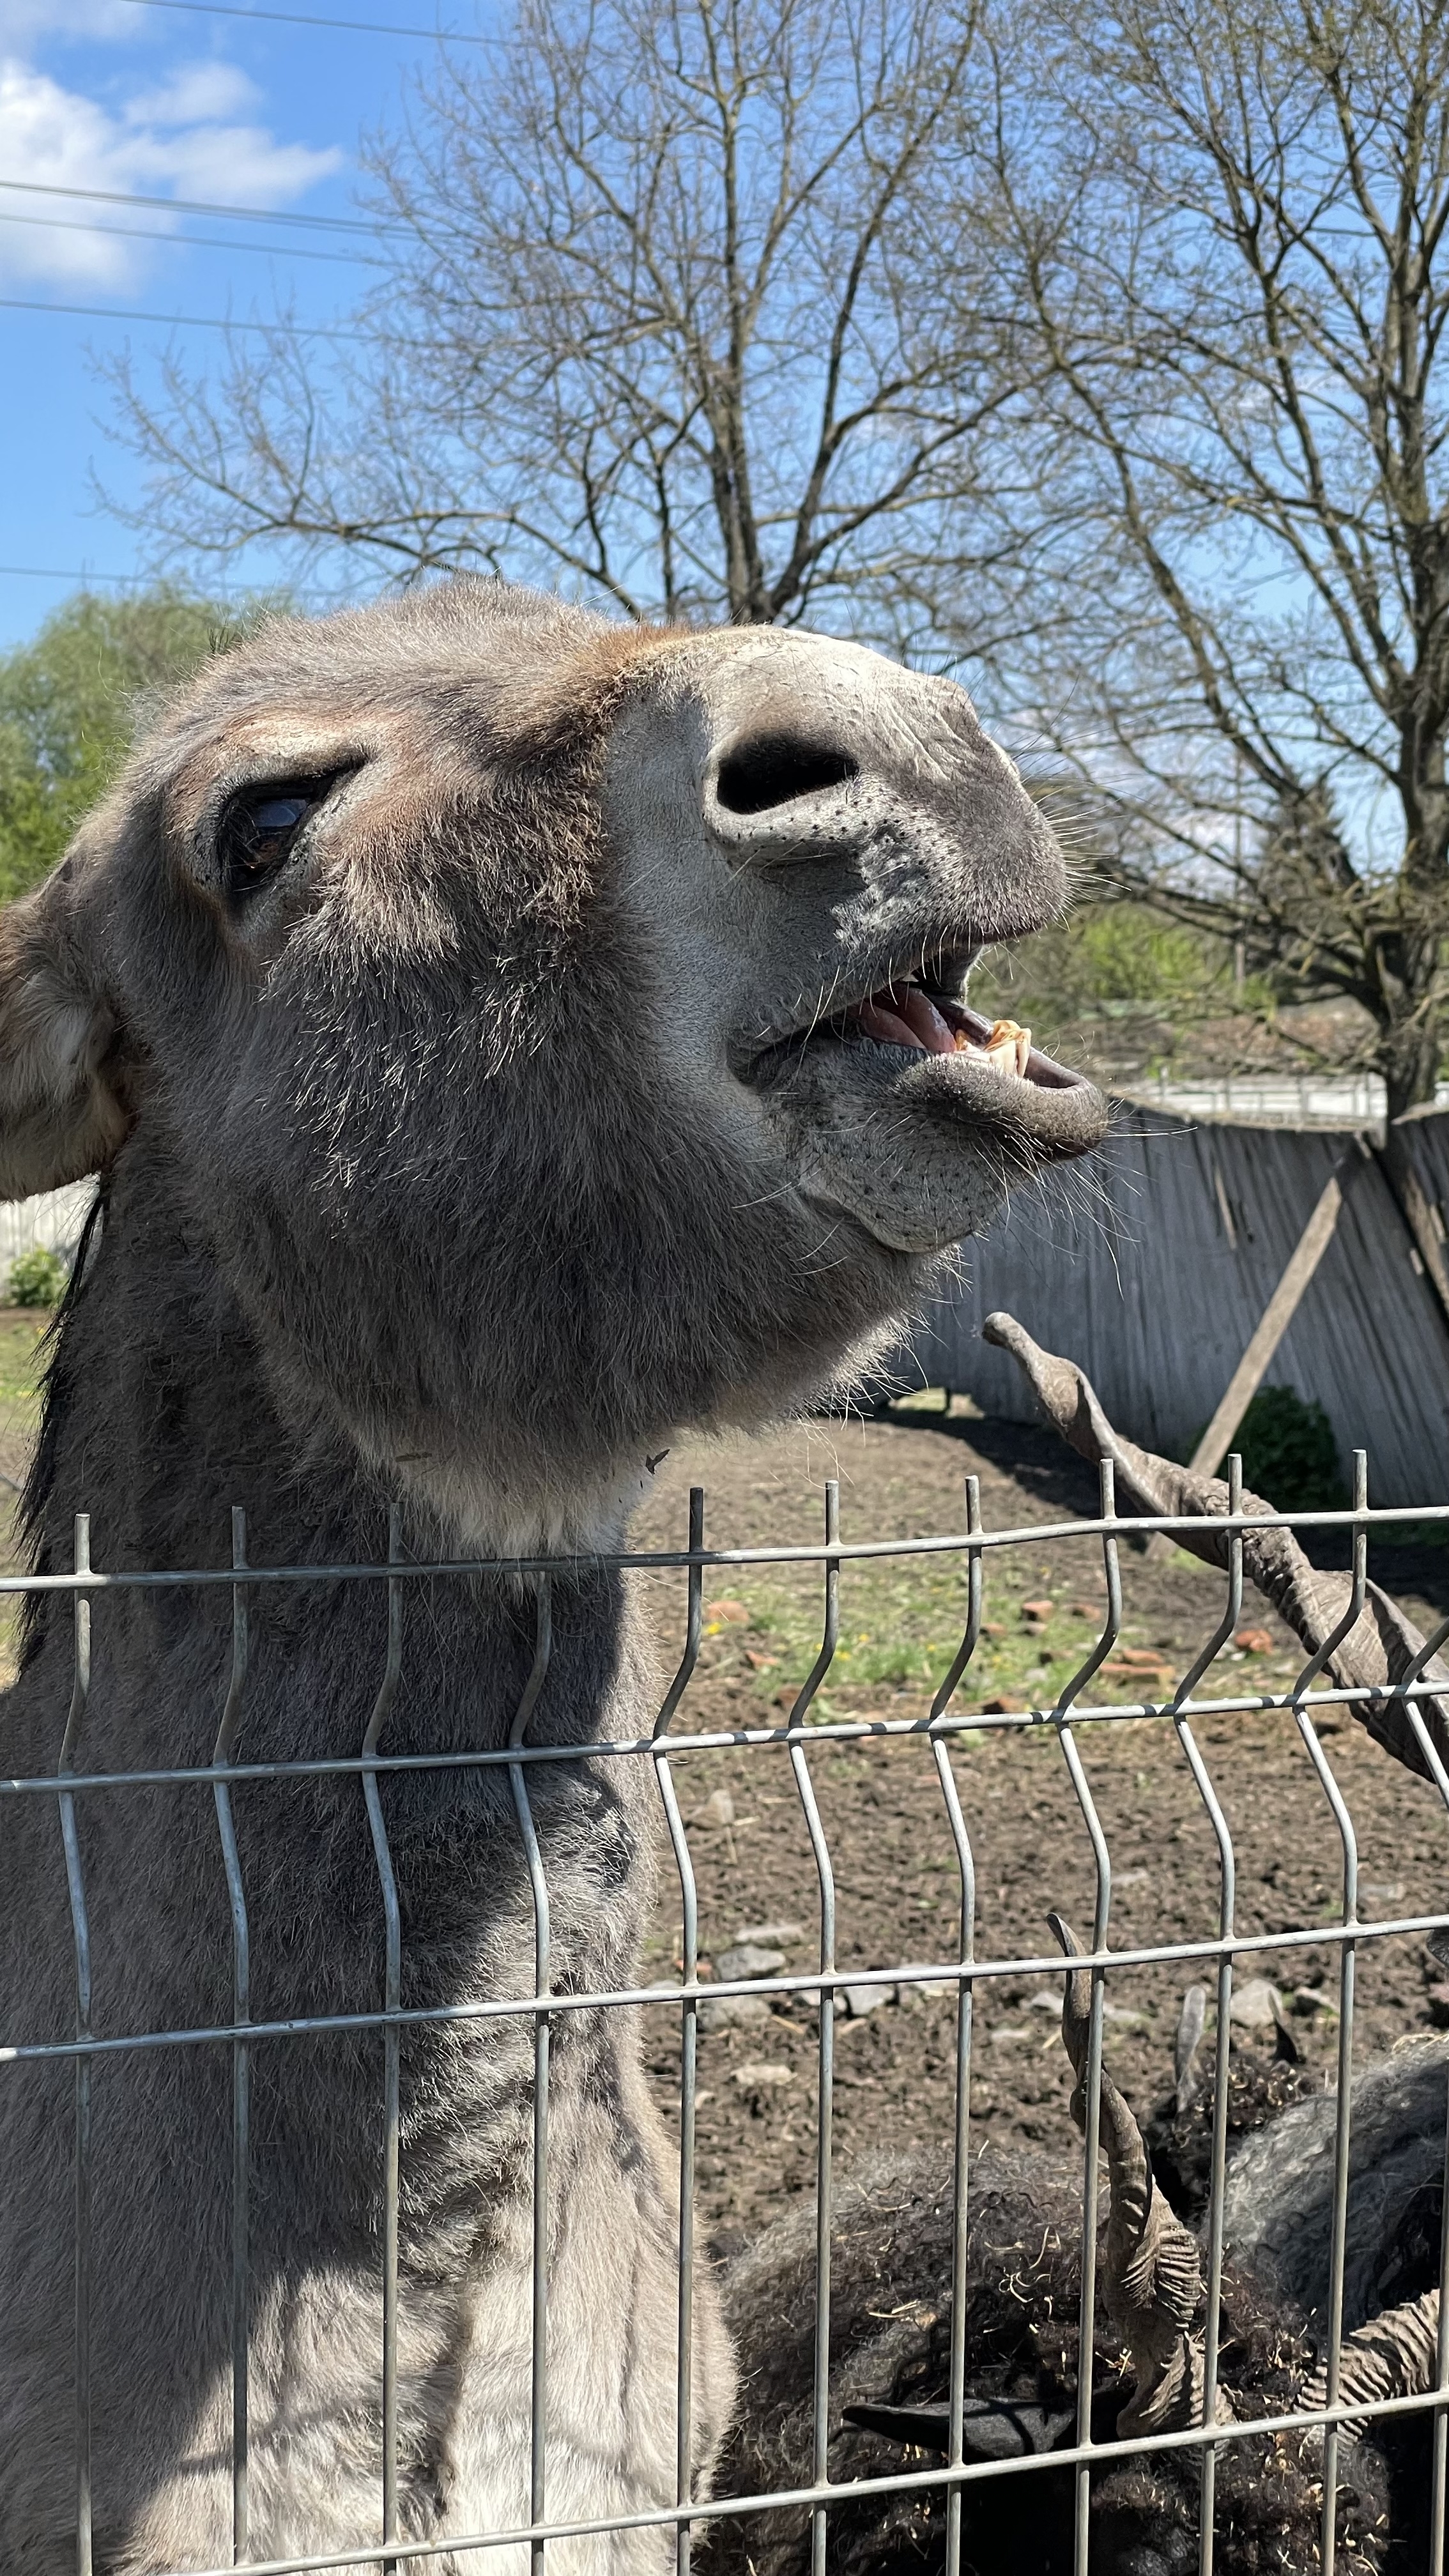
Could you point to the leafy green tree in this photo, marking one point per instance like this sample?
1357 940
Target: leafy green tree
37 1277
1118 957
69 702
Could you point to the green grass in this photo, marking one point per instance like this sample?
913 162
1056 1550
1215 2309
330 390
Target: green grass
21 1363
901 1622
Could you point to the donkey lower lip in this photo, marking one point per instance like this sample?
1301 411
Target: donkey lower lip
914 1033
1048 1109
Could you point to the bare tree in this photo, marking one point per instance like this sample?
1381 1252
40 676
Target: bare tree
655 321
1224 231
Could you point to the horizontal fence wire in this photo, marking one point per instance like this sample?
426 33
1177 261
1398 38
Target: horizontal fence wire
93 1578
804 1734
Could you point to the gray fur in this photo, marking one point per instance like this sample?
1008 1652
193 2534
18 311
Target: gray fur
440 1176
1278 2210
892 2264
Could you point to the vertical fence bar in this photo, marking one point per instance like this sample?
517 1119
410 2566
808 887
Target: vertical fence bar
1092 2142
688 2037
820 2433
1439 2496
1227 1907
81 1931
538 2380
1439 2440
391 2039
1344 2108
240 2054
965 1995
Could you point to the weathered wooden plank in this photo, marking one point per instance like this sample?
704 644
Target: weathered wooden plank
1155 1267
1273 1323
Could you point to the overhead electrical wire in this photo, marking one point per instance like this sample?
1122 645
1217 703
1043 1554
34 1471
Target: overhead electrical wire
302 18
194 206
53 572
149 580
178 321
122 580
189 241
200 206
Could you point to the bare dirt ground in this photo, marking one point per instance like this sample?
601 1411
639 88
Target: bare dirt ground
897 1884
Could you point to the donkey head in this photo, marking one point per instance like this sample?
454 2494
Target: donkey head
550 1029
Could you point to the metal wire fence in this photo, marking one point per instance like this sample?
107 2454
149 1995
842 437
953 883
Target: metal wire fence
796 1739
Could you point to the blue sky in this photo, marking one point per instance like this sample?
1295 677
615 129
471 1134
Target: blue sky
164 102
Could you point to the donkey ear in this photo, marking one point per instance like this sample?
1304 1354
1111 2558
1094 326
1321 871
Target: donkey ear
61 1110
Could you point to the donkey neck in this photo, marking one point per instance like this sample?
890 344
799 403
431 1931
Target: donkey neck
159 1419
162 1416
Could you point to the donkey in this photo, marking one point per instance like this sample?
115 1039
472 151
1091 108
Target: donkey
502 1039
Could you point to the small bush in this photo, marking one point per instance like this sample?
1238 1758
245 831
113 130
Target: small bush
37 1278
1289 1453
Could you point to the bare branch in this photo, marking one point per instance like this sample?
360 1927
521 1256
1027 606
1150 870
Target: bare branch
653 326
1225 233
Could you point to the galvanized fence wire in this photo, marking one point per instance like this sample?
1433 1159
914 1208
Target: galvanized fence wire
801 1733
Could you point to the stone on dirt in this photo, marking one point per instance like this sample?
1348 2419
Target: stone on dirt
1257 2004
746 1959
718 2012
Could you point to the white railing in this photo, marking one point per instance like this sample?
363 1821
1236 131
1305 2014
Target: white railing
1291 1099
54 1219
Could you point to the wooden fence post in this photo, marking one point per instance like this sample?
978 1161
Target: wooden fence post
1273 1323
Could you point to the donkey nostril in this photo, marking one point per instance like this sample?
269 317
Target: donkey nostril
775 768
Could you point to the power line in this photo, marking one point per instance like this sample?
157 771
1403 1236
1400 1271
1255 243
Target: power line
54 572
189 241
301 18
177 321
118 580
209 590
199 206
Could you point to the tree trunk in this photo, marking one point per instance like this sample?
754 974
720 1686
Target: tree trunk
1409 1062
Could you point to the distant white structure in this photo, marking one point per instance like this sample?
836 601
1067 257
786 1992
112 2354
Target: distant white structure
1288 1099
55 1219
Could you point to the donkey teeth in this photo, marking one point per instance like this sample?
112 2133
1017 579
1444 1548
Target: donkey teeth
1006 1049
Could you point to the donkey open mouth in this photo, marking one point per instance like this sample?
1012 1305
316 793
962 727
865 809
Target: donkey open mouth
824 917
987 1071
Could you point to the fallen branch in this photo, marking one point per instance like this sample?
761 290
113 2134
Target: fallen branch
1382 1649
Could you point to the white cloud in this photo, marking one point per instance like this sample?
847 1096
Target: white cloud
196 94
176 138
21 21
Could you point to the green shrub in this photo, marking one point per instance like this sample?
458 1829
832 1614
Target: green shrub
1289 1453
37 1278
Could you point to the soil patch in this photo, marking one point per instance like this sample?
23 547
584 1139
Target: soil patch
897 1883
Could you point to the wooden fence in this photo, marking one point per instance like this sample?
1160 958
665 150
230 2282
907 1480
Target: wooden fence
1152 1267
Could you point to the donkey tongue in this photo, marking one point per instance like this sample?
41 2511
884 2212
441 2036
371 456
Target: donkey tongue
903 1016
924 1021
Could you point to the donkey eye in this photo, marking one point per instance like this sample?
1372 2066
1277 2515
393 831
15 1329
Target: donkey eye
258 832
